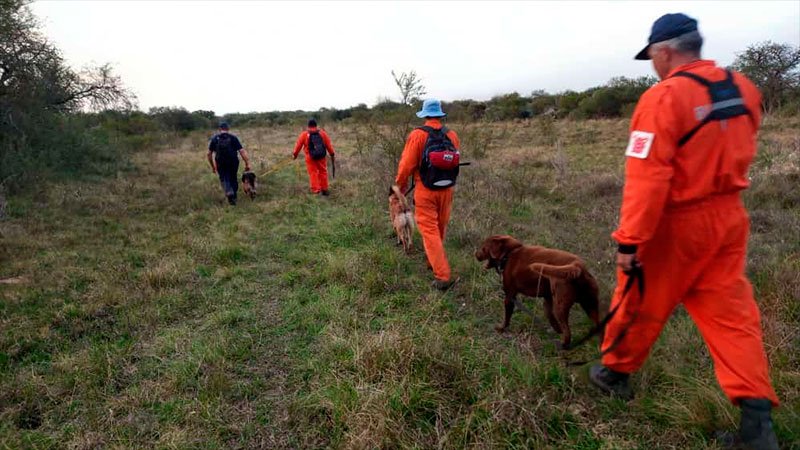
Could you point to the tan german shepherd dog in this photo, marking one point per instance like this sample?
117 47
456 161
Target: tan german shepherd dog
402 218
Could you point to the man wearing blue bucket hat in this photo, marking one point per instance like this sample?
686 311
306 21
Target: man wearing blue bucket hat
683 228
431 156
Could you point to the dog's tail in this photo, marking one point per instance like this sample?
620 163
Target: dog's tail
405 219
401 197
565 272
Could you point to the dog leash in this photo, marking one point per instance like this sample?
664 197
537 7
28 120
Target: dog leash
635 276
278 166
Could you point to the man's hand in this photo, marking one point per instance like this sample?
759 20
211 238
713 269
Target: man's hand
247 168
626 261
294 156
214 170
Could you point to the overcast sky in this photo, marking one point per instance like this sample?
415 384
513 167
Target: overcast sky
263 56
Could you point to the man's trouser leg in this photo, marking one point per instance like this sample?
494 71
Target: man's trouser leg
721 303
228 179
313 180
444 213
675 257
697 256
431 212
322 173
638 322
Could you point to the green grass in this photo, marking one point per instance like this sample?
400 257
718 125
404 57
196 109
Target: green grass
156 316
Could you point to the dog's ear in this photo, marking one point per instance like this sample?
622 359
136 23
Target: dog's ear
499 246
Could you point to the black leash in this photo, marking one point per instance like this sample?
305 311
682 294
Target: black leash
635 276
413 185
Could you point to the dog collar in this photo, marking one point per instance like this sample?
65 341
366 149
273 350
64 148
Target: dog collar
500 266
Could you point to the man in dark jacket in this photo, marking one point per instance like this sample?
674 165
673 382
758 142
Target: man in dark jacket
226 149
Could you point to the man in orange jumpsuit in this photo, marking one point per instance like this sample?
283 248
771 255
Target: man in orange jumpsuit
317 145
432 203
682 221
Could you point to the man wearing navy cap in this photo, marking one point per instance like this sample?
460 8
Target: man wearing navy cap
683 227
226 149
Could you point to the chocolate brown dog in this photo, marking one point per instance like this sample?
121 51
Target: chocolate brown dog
249 184
560 278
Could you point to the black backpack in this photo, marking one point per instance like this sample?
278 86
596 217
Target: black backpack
726 102
440 158
316 146
224 148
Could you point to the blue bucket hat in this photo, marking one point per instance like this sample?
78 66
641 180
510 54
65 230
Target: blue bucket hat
665 28
224 126
431 108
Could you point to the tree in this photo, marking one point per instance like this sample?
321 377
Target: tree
39 94
33 72
507 107
411 88
774 68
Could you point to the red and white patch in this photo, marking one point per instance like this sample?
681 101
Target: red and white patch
640 143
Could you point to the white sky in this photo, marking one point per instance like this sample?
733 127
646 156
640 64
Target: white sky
263 56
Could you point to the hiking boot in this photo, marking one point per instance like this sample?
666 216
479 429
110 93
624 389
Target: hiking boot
755 428
326 193
610 382
443 285
232 200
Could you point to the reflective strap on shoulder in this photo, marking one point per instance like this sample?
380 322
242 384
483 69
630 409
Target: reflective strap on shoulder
727 103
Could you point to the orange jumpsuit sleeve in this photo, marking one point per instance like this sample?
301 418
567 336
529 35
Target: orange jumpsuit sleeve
410 159
648 167
327 141
302 141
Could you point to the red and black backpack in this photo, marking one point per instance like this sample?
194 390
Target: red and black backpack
440 159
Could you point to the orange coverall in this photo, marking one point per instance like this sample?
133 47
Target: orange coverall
681 207
432 207
317 168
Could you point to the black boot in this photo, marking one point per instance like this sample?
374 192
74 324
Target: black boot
755 428
610 382
443 285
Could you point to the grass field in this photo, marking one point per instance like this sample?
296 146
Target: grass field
150 314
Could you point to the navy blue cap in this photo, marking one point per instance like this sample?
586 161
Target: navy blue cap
667 27
224 126
312 123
